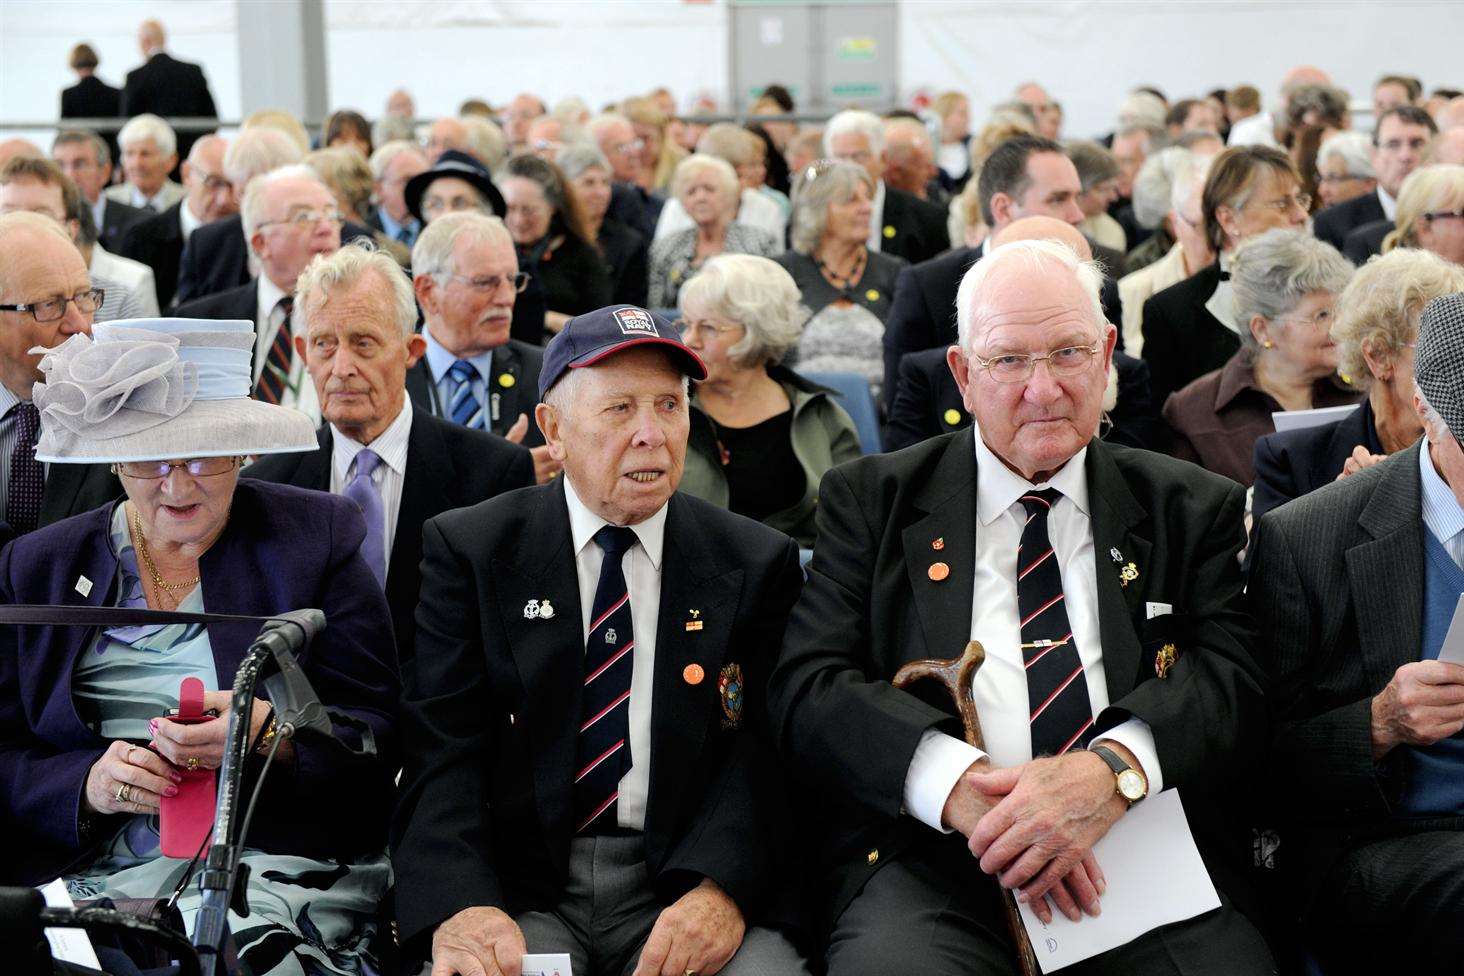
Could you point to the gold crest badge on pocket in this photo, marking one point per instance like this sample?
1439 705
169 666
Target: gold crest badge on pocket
1165 659
729 686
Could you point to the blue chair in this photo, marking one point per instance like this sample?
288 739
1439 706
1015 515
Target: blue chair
854 396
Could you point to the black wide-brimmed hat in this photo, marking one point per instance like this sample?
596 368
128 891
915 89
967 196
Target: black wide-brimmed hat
464 167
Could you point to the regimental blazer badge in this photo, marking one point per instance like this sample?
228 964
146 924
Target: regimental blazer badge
729 686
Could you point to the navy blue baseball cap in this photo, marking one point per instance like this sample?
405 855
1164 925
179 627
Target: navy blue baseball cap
586 339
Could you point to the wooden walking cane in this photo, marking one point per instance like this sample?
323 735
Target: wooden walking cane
956 675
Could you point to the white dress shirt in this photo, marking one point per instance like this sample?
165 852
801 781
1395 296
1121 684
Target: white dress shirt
641 565
299 392
1257 130
187 222
1442 512
1389 204
1221 302
391 446
876 218
1000 685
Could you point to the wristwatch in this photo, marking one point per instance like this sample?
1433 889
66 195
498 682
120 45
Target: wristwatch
1129 783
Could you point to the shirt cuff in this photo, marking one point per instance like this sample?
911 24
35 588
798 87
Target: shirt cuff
938 763
1135 736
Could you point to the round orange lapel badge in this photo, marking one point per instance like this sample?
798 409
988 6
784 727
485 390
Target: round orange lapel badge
693 674
938 571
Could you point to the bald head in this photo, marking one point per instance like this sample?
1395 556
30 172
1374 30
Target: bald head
15 148
1451 116
1044 229
1304 74
150 36
210 194
38 263
1447 147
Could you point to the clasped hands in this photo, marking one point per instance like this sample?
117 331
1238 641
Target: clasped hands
1033 826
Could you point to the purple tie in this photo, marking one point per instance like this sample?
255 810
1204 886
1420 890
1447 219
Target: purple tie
27 475
367 496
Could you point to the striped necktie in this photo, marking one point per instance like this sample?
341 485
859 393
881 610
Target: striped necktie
1057 692
465 408
602 752
274 379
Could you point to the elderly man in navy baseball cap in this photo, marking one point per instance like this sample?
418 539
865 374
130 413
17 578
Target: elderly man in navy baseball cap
542 784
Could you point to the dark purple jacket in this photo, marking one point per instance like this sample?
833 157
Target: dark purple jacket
283 549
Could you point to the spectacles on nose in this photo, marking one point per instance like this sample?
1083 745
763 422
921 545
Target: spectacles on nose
54 308
684 327
1301 201
303 219
1018 368
491 283
156 470
1433 215
1321 319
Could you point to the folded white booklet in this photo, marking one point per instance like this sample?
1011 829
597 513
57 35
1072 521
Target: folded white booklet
1453 647
1154 876
1315 417
547 964
67 945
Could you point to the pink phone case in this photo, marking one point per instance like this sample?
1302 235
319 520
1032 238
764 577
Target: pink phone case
187 818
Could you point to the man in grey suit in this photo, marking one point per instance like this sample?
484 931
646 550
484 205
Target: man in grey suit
1354 587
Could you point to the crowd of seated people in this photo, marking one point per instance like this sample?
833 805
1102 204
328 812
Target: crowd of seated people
569 418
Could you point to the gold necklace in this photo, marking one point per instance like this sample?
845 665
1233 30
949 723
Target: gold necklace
157 579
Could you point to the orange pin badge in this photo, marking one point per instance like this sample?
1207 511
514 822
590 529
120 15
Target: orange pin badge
693 674
695 623
938 571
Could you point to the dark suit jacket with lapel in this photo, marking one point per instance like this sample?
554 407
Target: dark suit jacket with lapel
1334 223
168 87
282 549
869 607
928 403
117 220
923 309
913 229
1182 339
492 704
91 98
447 467
626 252
516 359
240 302
157 242
1366 241
216 257
1292 463
1337 585
75 488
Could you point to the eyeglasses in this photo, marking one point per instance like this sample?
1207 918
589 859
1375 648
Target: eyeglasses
214 184
684 327
438 205
54 308
491 283
1321 319
302 219
1433 215
1343 178
1016 368
198 467
632 146
1302 201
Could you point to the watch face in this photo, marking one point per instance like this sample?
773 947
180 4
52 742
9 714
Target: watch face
1132 785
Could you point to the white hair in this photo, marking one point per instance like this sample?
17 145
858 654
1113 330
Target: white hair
382 158
344 269
433 252
149 126
251 210
603 121
485 140
855 121
1156 185
1033 253
688 169
1141 110
256 152
1355 151
758 294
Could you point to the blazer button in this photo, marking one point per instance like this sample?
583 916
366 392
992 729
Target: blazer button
873 856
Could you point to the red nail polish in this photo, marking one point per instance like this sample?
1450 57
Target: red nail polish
171 791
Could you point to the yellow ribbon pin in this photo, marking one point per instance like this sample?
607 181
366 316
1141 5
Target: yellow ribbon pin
506 380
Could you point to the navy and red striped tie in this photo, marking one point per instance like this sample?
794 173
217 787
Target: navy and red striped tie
1061 714
602 753
274 379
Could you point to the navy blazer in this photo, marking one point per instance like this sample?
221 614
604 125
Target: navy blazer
282 549
1333 224
215 257
1366 241
1293 463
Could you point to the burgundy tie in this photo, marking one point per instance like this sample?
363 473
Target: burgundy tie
27 475
275 377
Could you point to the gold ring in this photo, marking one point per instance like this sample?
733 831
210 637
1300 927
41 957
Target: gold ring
124 793
192 764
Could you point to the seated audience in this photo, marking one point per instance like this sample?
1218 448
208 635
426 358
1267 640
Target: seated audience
552 243
1151 199
446 133
392 167
85 158
1344 169
953 109
803 149
518 115
1131 147
1286 284
484 141
348 176
1191 328
623 249
1375 328
1179 176
657 788
659 155
347 128
1353 588
761 435
630 202
149 153
1431 213
549 135
964 221
909 160
1398 144
741 150
899 223
707 189
1098 175
91 749
400 466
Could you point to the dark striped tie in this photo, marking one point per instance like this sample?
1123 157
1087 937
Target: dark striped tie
602 754
27 487
465 408
1056 688
274 379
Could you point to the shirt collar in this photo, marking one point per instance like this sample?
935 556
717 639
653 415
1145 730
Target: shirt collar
1390 204
8 401
269 296
390 445
99 211
439 360
1441 510
583 524
187 223
876 217
998 487
390 227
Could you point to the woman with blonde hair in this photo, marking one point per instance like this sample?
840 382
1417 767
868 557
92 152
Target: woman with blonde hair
953 156
1431 212
964 222
659 155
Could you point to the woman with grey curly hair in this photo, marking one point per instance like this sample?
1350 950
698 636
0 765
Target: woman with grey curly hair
1286 284
761 435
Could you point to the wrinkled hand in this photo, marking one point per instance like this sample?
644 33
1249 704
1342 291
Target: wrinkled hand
1039 838
545 467
699 934
146 775
1361 458
478 942
205 741
967 803
1421 705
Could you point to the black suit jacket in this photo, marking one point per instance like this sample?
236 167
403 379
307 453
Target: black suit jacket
627 254
923 309
869 606
447 467
1182 340
117 220
928 403
168 87
1334 223
216 256
492 699
1365 241
239 302
91 98
1293 463
636 208
913 229
517 360
157 241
